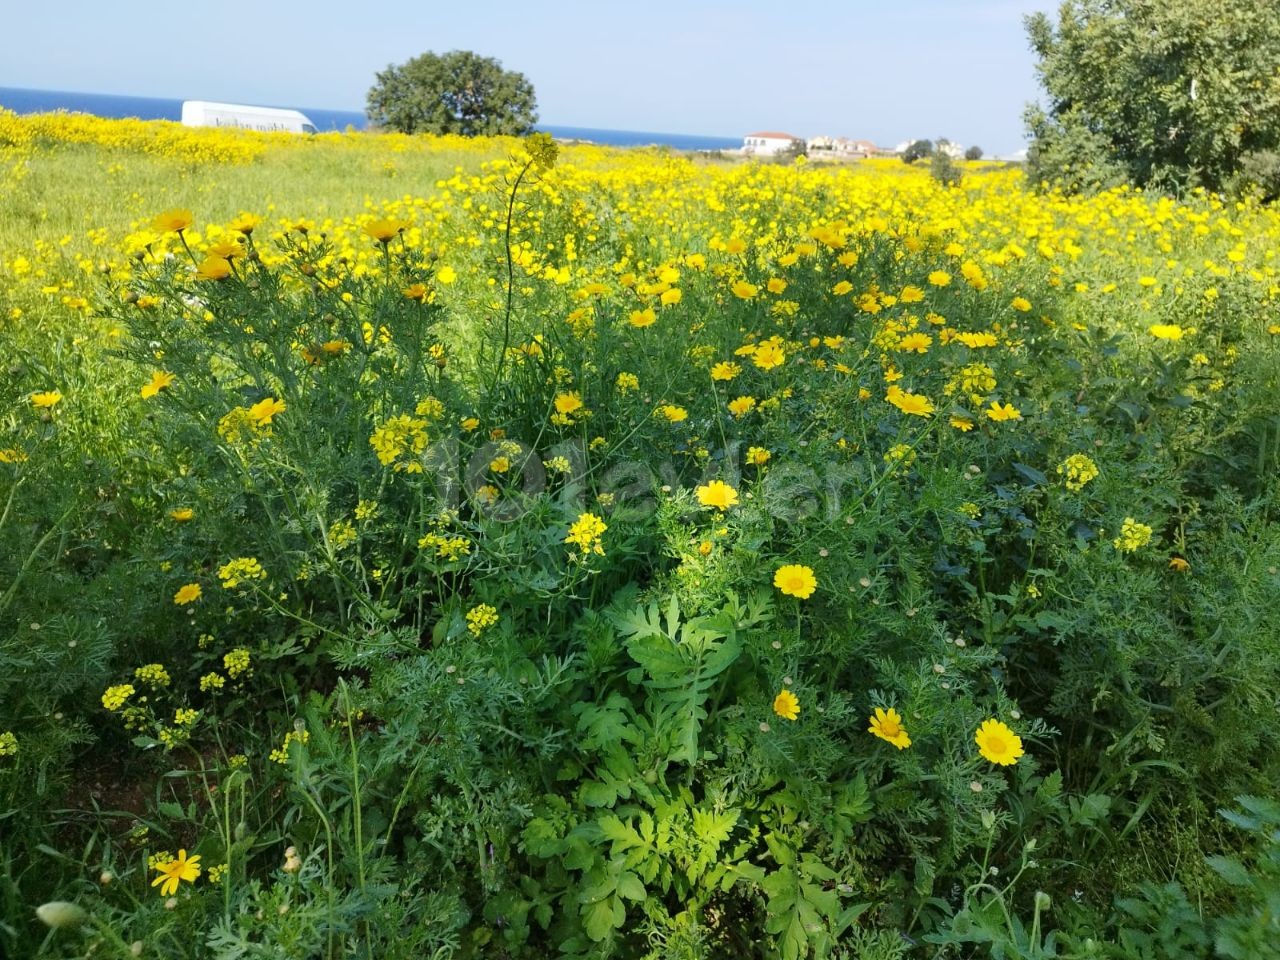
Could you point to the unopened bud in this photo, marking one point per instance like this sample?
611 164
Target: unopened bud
58 914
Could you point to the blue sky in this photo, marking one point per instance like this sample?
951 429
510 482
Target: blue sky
884 71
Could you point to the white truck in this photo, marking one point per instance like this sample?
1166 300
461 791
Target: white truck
203 113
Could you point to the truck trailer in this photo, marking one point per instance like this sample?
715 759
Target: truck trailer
203 113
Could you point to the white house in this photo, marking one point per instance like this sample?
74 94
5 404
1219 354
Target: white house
953 150
768 143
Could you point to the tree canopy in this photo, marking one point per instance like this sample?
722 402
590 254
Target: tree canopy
455 92
1171 95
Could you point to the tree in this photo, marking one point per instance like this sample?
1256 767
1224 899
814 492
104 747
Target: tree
793 151
943 169
917 150
1161 94
973 153
455 92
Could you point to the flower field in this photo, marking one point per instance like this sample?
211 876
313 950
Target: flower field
418 547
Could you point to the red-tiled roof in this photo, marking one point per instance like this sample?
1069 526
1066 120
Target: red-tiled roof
773 135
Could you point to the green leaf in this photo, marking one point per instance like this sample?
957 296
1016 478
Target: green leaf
1230 870
593 793
598 918
629 886
1036 477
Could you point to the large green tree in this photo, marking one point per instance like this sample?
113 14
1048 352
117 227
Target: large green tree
454 92
1166 93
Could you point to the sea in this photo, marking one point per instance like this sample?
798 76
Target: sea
156 108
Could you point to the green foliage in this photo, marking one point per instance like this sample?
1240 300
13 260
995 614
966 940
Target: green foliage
455 92
944 170
1171 95
973 153
917 150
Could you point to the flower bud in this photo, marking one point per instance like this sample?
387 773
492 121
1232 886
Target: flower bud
59 913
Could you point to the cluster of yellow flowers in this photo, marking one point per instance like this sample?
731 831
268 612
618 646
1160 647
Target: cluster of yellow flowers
1078 470
480 618
996 742
281 753
585 533
241 570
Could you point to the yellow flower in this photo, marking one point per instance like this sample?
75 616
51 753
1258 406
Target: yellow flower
725 370
585 534
265 409
1133 536
918 342
50 398
642 318
670 297
743 290
1078 470
939 278
160 380
245 223
963 424
795 581
567 403
415 291
976 341
172 221
237 661
717 494
384 230
887 725
189 593
758 456
115 697
175 871
1179 564
769 355
446 275
786 705
742 406
1000 412
1166 331
673 413
911 294
214 268
1021 304
776 285
234 572
998 743
912 403
480 618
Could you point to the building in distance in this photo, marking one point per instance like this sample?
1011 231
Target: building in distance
769 143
